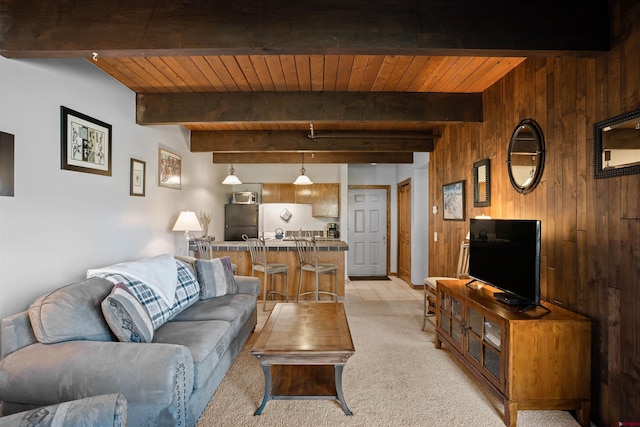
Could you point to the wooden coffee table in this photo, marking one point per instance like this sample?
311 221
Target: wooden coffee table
302 349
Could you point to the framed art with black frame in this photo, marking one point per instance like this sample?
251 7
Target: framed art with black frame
85 143
138 178
453 201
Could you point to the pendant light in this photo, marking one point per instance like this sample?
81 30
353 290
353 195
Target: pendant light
231 179
302 179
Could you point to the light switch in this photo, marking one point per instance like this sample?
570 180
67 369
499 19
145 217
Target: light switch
435 236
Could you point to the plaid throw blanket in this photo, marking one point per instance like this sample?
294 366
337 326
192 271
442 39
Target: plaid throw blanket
187 293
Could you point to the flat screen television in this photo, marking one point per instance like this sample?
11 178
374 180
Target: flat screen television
505 254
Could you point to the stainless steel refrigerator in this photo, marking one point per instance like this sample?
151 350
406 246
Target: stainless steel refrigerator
239 220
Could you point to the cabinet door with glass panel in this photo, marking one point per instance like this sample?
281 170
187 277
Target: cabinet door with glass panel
485 344
451 318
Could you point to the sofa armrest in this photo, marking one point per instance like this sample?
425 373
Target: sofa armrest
248 285
16 333
99 411
45 374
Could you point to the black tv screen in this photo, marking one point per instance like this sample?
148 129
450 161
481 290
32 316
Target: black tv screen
505 253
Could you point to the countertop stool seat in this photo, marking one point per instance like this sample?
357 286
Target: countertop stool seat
259 264
308 261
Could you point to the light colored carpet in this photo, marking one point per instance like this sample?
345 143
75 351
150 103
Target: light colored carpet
396 378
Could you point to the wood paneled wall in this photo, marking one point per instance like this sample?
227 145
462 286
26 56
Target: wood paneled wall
591 228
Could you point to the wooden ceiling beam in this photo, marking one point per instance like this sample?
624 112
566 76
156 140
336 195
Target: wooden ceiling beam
295 141
307 107
315 158
36 28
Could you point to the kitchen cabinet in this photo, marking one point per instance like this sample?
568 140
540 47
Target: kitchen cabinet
304 194
278 193
324 198
535 359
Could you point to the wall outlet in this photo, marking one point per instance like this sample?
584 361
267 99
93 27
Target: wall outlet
435 210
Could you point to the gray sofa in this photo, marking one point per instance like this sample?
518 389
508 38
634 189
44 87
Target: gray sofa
64 347
109 410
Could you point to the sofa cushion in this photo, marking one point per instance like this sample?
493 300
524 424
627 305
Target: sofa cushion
187 293
72 312
235 309
215 277
126 316
206 340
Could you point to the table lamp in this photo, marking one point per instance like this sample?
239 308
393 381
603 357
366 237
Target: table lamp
187 221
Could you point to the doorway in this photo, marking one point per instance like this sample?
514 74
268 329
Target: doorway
368 228
404 231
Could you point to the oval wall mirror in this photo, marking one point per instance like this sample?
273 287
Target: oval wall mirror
525 160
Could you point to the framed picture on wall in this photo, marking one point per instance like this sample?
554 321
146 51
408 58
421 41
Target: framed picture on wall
138 178
453 201
85 143
169 169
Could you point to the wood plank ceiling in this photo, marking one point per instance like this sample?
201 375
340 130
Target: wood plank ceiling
376 81
310 73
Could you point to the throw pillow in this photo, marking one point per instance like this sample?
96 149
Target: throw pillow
71 313
186 294
126 317
216 277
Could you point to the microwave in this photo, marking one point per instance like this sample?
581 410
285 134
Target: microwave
244 198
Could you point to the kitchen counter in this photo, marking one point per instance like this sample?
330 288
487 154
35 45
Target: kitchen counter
281 245
285 252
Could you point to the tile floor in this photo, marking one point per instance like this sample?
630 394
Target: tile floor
376 290
371 290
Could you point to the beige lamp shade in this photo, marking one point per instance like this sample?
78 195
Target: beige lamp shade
232 179
302 179
187 221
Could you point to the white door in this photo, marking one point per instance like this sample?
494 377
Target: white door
367 232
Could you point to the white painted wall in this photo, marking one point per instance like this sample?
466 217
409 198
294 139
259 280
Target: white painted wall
420 218
60 222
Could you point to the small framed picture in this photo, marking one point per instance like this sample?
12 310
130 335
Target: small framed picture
85 143
138 178
169 169
453 200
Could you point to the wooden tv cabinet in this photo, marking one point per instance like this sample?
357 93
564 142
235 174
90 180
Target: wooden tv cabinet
531 360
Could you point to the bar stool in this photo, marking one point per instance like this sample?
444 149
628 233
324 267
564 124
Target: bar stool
259 263
308 261
204 249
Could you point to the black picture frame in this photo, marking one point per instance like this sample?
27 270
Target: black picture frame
85 143
482 183
627 122
7 164
138 178
453 205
